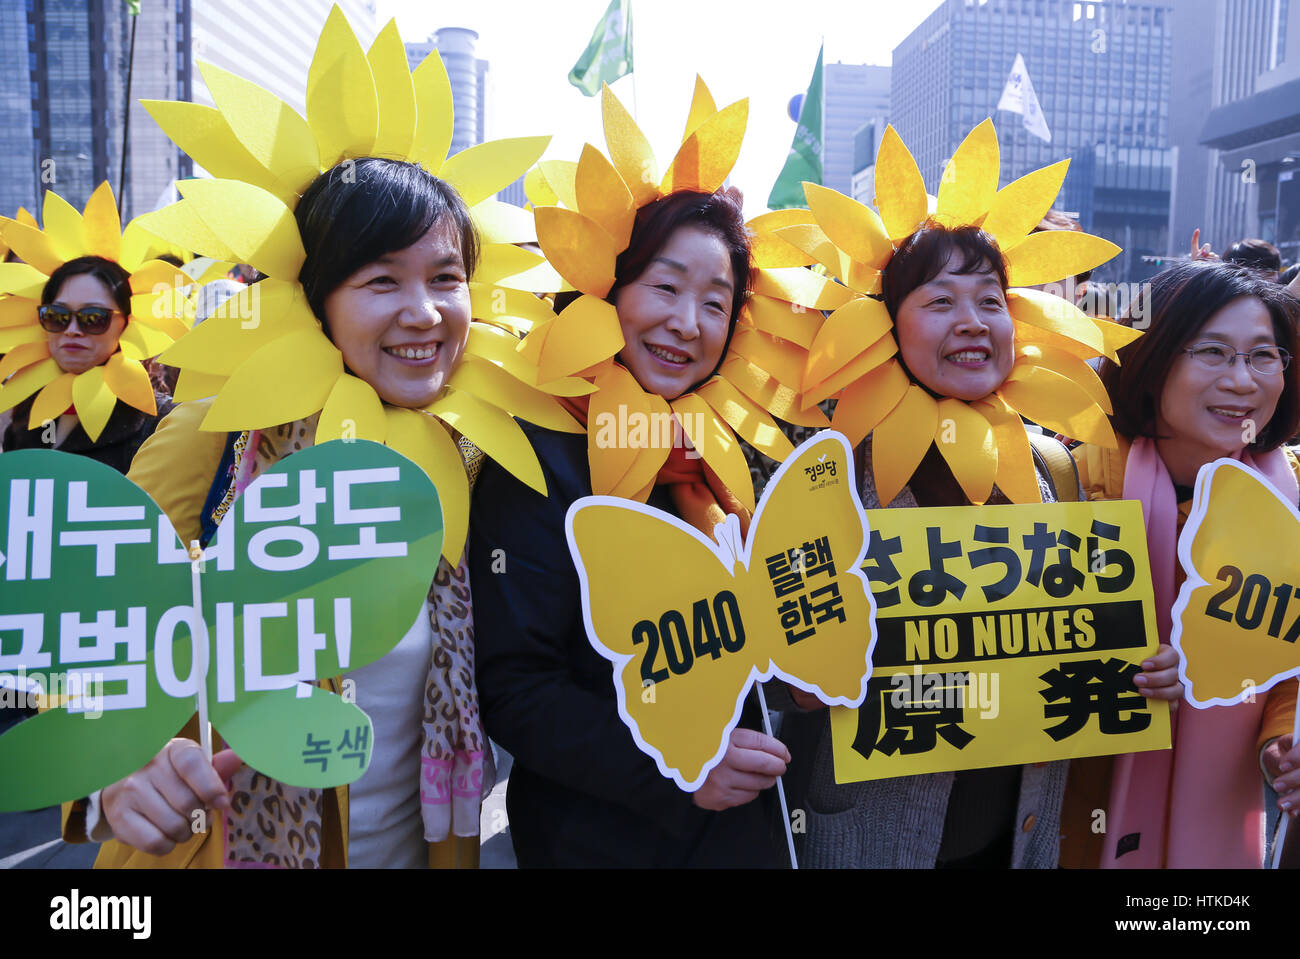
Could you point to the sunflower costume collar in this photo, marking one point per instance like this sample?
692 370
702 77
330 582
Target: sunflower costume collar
160 312
585 213
266 360
854 355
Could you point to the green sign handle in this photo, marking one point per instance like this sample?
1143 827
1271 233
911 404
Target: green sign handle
200 646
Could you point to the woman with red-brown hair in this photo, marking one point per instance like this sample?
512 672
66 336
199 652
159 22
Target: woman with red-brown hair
581 793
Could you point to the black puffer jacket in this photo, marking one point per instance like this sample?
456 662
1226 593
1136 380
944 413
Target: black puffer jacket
581 793
126 430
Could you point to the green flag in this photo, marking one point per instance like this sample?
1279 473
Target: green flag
134 7
805 159
609 54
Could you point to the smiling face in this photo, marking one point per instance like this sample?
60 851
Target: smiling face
75 350
676 314
1208 413
955 334
402 320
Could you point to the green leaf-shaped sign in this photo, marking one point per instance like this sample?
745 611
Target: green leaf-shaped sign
319 568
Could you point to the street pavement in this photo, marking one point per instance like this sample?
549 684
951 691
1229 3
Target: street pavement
31 840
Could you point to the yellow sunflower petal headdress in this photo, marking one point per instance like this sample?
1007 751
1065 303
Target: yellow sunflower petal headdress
266 359
854 354
585 214
160 313
24 217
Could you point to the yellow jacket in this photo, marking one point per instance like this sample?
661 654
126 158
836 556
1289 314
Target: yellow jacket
176 467
1101 473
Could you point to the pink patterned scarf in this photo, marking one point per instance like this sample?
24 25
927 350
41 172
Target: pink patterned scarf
456 766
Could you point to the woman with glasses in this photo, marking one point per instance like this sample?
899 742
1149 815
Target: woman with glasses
1212 377
85 307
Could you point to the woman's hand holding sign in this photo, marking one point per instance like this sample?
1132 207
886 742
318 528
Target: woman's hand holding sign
1281 762
152 809
1159 676
752 763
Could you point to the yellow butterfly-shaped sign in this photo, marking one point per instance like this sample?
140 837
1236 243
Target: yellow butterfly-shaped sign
1237 619
690 623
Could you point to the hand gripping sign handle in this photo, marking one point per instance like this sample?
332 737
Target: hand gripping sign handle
1279 838
200 647
780 787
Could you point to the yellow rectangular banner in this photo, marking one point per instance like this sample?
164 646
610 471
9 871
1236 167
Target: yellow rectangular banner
1005 635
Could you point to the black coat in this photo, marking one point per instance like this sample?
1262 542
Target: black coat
581 793
124 433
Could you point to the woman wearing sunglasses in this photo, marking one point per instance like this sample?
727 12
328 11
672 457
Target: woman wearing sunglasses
84 310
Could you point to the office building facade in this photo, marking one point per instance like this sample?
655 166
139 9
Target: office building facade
1189 104
468 76
64 95
855 93
866 144
1102 72
1253 126
270 44
63 92
19 167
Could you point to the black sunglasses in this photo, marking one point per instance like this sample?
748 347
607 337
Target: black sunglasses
92 320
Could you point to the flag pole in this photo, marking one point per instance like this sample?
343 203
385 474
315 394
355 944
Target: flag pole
631 42
126 120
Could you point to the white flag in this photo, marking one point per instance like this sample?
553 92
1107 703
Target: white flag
1018 97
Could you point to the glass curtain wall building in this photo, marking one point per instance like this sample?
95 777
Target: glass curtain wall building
19 172
1253 126
70 58
63 87
855 94
1102 72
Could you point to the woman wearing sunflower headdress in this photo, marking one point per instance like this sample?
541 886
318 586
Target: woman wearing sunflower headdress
78 316
932 377
362 327
665 327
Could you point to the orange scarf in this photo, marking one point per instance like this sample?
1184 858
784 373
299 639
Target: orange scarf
699 497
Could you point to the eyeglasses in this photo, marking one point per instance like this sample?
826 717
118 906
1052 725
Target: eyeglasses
1267 360
92 320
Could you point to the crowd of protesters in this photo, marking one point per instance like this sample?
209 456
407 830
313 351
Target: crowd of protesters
389 254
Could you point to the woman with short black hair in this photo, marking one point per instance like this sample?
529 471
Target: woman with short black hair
384 287
360 328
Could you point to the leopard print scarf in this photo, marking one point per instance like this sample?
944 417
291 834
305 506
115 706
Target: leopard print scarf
274 825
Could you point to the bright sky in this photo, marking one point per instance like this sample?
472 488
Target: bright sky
761 49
